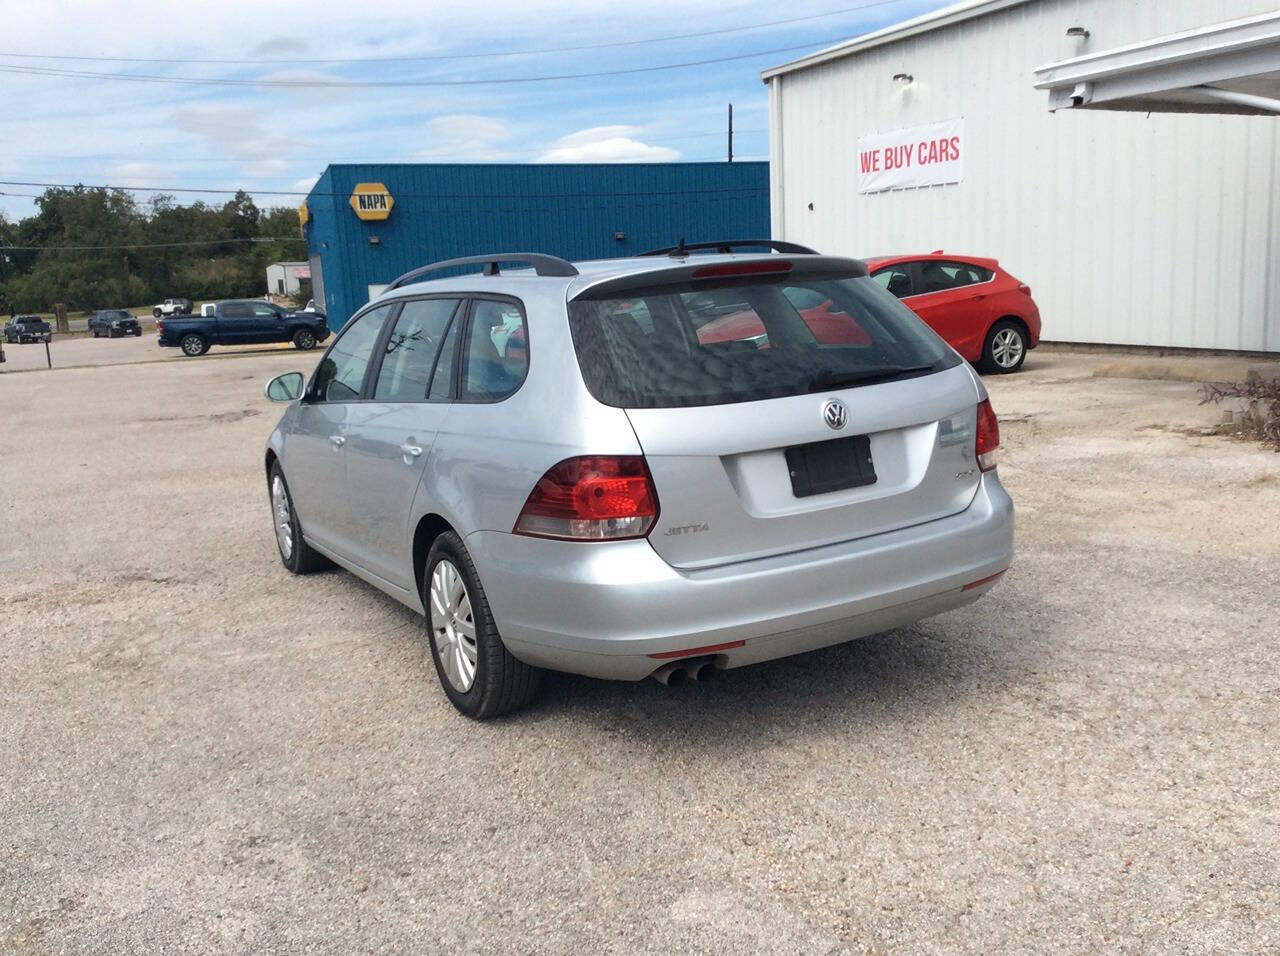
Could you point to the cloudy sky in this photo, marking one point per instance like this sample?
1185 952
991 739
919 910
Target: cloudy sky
322 83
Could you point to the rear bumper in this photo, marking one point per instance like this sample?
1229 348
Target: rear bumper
602 609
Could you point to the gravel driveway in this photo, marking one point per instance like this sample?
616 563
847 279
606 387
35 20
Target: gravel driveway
200 752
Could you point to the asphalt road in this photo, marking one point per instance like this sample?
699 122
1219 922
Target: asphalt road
201 752
78 351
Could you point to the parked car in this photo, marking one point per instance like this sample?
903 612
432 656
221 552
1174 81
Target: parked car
982 311
172 307
241 322
113 322
28 328
553 468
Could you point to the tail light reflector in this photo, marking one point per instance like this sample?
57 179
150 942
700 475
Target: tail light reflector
988 440
591 498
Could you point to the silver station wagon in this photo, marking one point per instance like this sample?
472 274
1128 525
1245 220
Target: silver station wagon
694 459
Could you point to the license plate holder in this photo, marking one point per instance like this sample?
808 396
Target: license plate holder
821 467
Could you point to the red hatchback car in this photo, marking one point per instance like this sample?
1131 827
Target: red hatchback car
984 313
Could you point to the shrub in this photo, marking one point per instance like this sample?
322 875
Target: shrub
1260 415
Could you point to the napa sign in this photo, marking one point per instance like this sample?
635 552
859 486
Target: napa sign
371 202
908 158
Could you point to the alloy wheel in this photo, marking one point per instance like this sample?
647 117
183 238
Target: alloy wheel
453 626
1007 348
284 519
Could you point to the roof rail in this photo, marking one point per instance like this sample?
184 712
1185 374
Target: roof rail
544 265
777 245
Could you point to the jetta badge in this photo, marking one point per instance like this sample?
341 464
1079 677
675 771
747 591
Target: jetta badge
835 413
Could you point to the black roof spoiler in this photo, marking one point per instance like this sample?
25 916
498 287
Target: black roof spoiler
543 265
727 246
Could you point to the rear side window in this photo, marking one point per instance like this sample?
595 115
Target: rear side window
940 276
412 349
740 340
497 352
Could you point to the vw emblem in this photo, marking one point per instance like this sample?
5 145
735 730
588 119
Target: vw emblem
835 413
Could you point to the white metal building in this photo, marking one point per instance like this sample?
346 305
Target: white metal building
284 278
1131 227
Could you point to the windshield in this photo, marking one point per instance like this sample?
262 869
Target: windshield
740 340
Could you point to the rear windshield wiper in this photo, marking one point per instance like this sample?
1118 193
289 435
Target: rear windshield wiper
829 378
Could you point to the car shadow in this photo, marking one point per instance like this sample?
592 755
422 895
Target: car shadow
859 686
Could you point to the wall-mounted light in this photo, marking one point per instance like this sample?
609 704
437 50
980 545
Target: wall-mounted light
903 78
1080 32
375 241
619 236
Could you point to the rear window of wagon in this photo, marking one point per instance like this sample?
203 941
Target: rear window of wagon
747 339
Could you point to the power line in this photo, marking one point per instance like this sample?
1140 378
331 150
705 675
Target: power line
457 56
152 245
346 195
382 84
654 140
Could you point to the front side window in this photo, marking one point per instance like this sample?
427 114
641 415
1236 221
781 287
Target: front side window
497 352
897 279
340 374
727 340
412 350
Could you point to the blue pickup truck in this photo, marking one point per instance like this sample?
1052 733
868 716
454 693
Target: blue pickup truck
241 322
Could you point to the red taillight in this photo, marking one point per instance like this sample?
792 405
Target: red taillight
159 325
591 498
988 439
730 269
1024 288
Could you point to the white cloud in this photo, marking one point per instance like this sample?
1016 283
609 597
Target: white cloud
606 144
304 184
465 136
138 174
240 133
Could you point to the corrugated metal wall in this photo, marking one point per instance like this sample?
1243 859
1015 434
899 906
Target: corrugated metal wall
1131 229
574 211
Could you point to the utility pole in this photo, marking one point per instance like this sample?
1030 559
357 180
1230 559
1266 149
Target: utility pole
730 132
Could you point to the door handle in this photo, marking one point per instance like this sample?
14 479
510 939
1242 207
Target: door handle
411 451
337 440
979 297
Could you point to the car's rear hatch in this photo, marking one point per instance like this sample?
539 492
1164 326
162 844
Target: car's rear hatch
780 442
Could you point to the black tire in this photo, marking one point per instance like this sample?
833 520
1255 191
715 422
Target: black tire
156 313
93 331
302 558
501 683
138 331
193 344
304 339
1005 348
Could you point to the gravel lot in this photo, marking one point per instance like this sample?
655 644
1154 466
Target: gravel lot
200 752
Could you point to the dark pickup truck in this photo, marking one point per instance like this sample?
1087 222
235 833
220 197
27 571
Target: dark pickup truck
28 328
241 322
113 322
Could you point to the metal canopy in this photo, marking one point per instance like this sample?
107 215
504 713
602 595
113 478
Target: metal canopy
1231 67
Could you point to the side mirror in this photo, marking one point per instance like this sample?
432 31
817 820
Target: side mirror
285 388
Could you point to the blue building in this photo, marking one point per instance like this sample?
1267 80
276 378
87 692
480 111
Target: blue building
367 224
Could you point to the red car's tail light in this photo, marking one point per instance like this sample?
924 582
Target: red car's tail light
1024 288
159 325
988 440
591 498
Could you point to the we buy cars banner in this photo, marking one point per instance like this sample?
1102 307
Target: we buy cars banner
907 158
